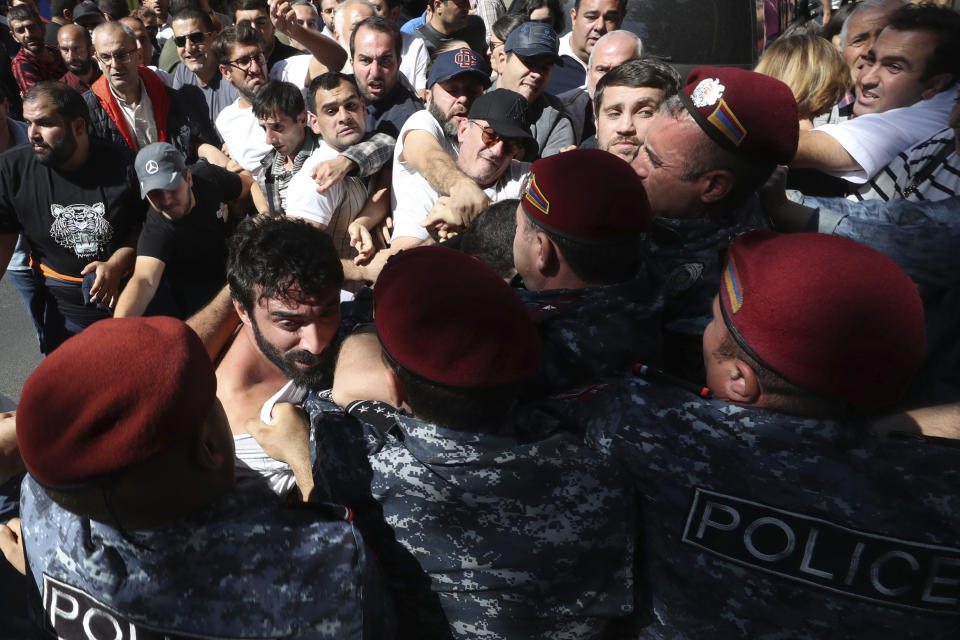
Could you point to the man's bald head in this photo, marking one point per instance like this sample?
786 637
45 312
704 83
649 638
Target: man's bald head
76 48
611 50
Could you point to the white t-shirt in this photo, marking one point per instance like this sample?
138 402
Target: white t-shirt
303 201
412 197
414 60
252 460
293 70
246 140
874 139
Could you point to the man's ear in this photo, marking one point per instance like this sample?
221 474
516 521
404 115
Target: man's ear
302 118
548 257
936 84
225 72
241 311
716 185
312 121
395 390
78 126
742 386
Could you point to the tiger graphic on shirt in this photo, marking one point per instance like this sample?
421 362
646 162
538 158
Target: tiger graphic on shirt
81 228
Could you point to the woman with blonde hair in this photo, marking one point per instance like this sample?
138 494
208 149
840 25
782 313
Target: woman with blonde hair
812 68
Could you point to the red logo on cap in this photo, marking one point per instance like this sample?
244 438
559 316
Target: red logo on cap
466 59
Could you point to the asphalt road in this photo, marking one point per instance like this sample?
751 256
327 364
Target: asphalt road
19 353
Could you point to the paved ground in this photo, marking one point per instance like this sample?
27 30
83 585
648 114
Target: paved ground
19 353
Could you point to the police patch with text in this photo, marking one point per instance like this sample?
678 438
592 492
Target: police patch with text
900 573
75 614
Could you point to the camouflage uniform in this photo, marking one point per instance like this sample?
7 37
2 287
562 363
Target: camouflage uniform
764 525
595 332
519 540
690 252
246 567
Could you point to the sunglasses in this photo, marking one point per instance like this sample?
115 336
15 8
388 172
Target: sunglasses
490 137
197 37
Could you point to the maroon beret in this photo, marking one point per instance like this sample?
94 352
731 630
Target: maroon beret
744 112
827 313
451 319
117 394
586 194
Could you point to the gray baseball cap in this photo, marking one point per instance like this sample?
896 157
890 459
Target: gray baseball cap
159 166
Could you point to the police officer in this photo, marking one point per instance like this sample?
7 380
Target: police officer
132 518
520 538
583 277
772 507
704 155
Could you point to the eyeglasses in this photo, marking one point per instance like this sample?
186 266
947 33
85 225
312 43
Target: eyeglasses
490 137
119 57
244 63
197 37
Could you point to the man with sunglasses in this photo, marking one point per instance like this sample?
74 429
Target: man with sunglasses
193 34
129 105
490 137
526 62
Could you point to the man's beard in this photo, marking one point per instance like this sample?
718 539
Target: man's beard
79 68
317 377
59 153
450 129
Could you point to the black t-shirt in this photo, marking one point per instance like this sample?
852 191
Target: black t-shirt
71 218
195 246
282 51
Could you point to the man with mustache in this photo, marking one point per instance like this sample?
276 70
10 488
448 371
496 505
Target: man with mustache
427 146
76 48
35 61
627 98
589 21
75 199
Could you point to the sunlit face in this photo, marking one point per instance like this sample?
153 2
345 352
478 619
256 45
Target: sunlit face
593 20
892 75
862 30
53 139
341 116
283 133
295 334
247 70
375 63
623 118
352 16
660 164
76 53
528 75
260 21
117 54
306 17
450 100
482 158
161 7
195 56
610 53
173 204
28 34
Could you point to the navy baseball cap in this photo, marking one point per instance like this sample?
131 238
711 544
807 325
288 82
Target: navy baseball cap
159 166
534 39
452 63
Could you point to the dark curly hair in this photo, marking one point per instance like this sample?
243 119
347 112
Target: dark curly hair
283 259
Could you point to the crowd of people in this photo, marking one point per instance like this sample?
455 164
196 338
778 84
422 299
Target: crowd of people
364 324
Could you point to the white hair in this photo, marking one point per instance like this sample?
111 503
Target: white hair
866 4
617 34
